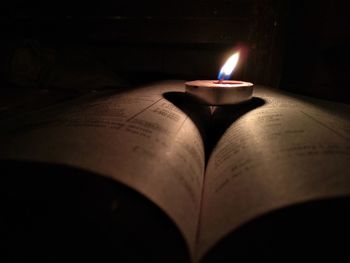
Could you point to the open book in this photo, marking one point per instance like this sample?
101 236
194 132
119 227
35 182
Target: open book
210 170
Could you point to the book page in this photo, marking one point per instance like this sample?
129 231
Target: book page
290 150
136 137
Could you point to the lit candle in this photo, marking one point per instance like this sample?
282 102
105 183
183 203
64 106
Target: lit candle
221 91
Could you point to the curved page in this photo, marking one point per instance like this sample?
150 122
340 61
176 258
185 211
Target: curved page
135 137
292 149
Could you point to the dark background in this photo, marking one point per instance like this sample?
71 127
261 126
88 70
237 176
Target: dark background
301 46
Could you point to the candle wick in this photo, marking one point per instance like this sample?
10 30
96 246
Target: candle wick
221 80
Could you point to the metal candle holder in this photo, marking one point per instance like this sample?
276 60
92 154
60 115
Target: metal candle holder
224 92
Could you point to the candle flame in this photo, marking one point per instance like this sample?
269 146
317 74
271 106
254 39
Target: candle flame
228 67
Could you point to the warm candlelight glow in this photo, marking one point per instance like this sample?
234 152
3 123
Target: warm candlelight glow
228 67
222 91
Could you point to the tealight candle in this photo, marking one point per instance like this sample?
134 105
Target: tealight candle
221 91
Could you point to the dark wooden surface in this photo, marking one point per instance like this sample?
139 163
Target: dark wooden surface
317 49
182 39
302 46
